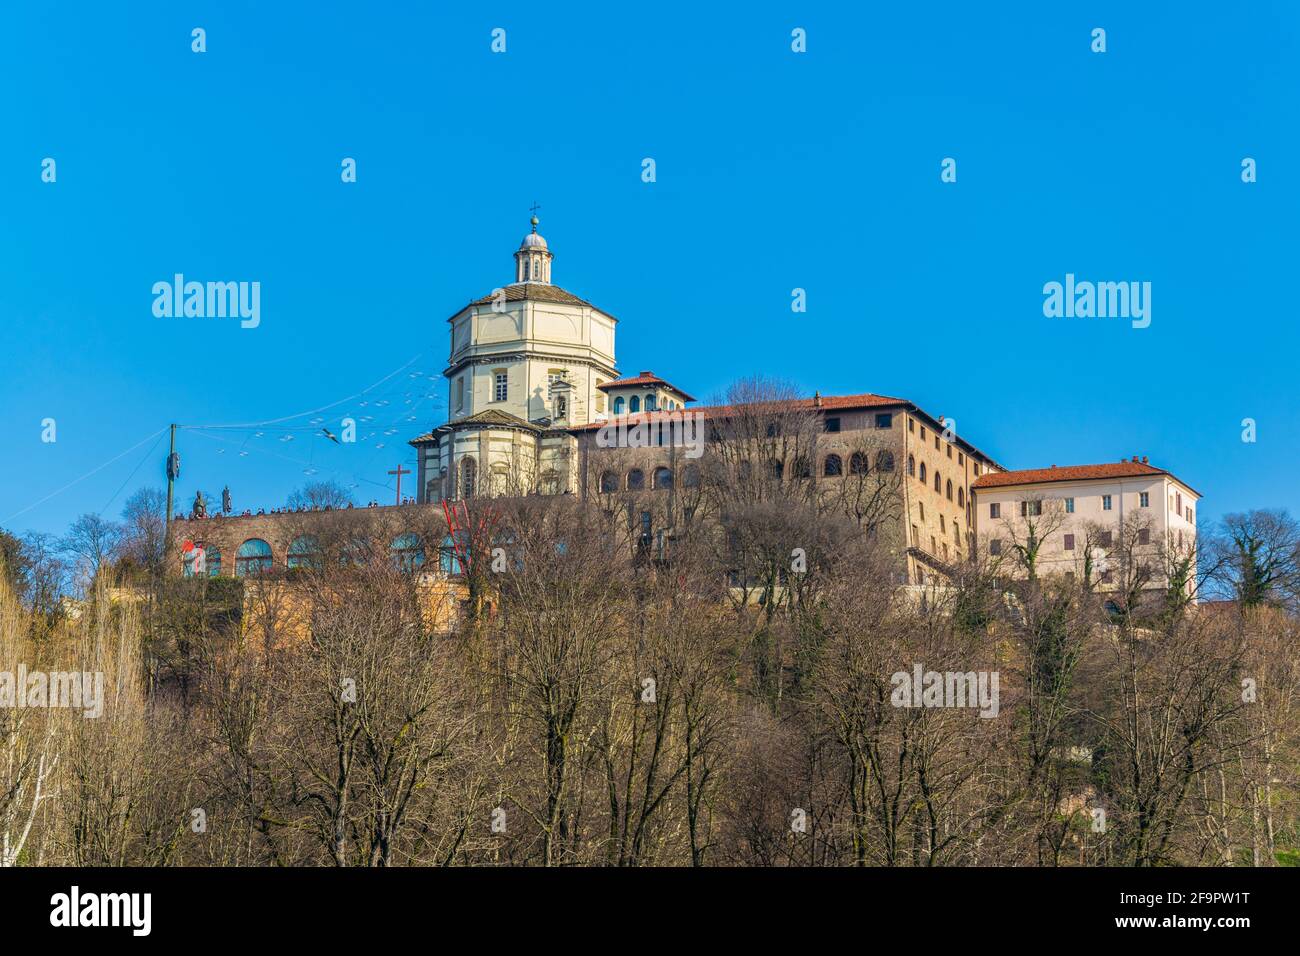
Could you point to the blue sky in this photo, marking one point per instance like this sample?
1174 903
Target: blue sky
775 170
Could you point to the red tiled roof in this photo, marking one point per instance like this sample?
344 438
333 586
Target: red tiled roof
832 402
1119 469
644 378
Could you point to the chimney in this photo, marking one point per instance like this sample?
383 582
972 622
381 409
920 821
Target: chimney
1135 459
1053 466
817 399
1145 461
647 373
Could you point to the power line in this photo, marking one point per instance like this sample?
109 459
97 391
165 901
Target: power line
274 421
92 471
147 456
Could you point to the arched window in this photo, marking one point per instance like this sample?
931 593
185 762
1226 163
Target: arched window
468 476
635 479
922 472
833 466
691 476
938 482
304 552
961 498
649 403
634 403
858 464
911 465
948 490
618 405
408 551
608 482
211 561
550 482
447 559
884 460
801 468
253 557
663 478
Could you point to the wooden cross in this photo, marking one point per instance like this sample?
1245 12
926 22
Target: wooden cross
399 472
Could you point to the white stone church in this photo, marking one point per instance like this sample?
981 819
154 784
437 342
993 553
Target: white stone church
530 366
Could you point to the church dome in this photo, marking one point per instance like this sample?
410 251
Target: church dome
533 258
533 240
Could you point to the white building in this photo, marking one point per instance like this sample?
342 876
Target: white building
1085 515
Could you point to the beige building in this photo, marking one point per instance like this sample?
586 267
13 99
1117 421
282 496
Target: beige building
1086 516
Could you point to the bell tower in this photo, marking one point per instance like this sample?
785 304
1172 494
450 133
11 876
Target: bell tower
533 259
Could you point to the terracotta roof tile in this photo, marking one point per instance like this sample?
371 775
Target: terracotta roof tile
644 378
832 402
1118 469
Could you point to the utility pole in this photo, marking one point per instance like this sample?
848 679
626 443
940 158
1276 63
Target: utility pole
172 462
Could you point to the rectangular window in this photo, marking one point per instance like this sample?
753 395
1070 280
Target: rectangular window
995 546
916 534
1069 506
1144 536
1069 542
933 548
500 388
832 424
922 433
1179 499
1191 516
1144 500
961 459
943 528
1031 509
911 425
1104 539
1105 577
995 510
460 394
885 420
1105 502
977 469
950 450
